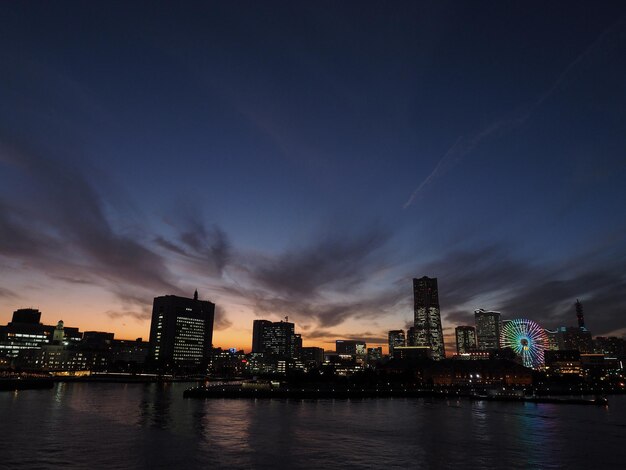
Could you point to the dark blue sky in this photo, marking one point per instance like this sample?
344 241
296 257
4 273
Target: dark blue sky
309 158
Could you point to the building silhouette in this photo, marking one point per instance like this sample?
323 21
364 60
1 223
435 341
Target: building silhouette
275 339
488 327
182 330
465 339
579 314
427 320
258 326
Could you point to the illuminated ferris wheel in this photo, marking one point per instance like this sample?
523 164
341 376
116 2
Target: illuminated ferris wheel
527 339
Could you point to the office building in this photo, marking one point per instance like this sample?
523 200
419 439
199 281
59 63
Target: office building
396 338
24 331
574 338
412 352
257 334
465 339
610 346
374 354
182 330
312 356
275 339
427 319
411 337
552 338
488 329
579 314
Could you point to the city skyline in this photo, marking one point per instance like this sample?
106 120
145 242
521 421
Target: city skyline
310 160
451 340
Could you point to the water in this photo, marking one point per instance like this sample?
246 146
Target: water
91 425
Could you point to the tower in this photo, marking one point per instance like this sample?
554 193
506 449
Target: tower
59 334
427 319
579 314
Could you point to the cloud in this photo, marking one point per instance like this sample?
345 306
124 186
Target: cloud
8 294
332 261
62 229
140 316
454 154
221 319
207 250
520 288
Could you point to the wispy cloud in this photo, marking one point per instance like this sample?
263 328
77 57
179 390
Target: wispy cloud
8 294
466 144
63 231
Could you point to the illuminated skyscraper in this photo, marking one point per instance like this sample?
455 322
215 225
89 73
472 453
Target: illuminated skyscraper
182 330
488 329
427 321
275 339
396 338
465 339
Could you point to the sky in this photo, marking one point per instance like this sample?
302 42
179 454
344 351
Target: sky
308 159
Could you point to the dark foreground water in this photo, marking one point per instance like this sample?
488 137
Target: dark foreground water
87 425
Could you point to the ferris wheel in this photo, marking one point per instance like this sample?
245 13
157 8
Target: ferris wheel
527 339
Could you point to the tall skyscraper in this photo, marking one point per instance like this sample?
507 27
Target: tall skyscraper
182 330
488 329
465 339
579 314
427 319
258 326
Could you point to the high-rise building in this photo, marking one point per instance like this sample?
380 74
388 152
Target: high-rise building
427 319
374 354
579 314
611 346
488 329
573 338
411 337
258 326
396 338
275 338
182 330
465 339
312 355
553 340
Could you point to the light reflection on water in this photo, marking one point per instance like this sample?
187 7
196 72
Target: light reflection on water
87 425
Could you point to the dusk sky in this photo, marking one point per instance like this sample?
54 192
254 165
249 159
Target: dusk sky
308 159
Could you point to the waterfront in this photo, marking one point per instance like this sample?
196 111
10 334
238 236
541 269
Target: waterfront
96 425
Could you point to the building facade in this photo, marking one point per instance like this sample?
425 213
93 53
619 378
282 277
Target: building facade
275 339
25 331
396 338
488 328
427 316
465 339
182 330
